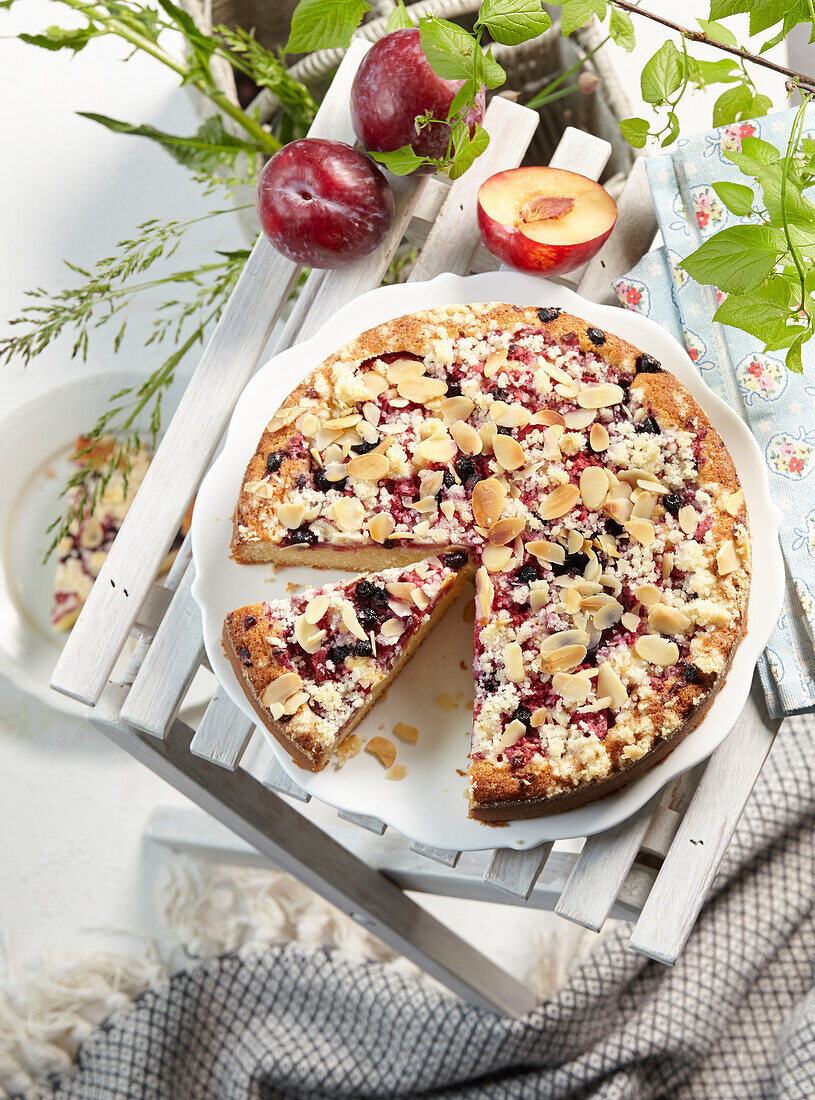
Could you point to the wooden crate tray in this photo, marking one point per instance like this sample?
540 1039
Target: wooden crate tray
655 868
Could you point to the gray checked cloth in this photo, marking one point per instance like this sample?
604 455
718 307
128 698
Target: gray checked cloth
733 1020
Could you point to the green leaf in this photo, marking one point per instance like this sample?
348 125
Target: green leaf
466 148
400 161
737 197
61 38
635 131
577 13
673 130
760 106
209 147
448 48
736 259
761 312
703 73
324 24
720 9
766 13
399 19
511 22
794 354
718 31
731 105
662 74
621 29
494 76
760 150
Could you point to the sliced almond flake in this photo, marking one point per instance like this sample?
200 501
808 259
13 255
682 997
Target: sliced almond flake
276 710
608 580
401 369
421 529
294 702
488 433
651 485
539 717
374 383
467 438
348 514
291 515
396 771
593 487
574 542
368 432
496 558
497 408
727 558
688 519
316 608
514 663
618 509
420 598
400 589
448 508
578 419
401 609
538 598
598 437
431 481
603 703
505 530
644 506
593 569
514 416
600 396
549 417
488 501
399 402
633 475
308 425
351 622
513 733
608 544
561 638
425 505
392 629
565 659
307 637
668 620
495 362
568 391
642 530
422 390
608 615
573 690
556 372
406 733
339 422
281 688
509 452
572 602
484 590
733 504
648 595
456 408
630 621
335 471
560 501
372 413
437 449
383 749
380 526
547 551
260 489
368 467
667 565
657 650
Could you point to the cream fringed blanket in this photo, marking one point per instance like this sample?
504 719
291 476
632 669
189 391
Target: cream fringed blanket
735 1018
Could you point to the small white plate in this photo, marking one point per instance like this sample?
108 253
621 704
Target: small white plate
429 805
36 442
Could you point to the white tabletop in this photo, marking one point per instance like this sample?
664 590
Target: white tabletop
72 806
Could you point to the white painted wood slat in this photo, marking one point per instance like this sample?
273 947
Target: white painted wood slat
223 733
276 779
517 872
703 835
187 448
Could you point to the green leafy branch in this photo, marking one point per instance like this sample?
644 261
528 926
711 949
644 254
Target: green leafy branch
767 270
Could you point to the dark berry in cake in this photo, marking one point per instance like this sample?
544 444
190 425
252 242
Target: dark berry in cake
500 394
672 502
613 527
646 364
465 468
362 649
363 448
522 714
548 314
596 335
303 535
368 618
337 654
245 656
502 430
456 559
453 389
528 573
249 622
323 485
368 592
274 461
448 481
576 563
691 673
649 426
489 685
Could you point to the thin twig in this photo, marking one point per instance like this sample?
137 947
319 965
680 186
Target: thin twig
700 36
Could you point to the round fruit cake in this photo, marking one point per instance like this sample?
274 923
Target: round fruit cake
601 508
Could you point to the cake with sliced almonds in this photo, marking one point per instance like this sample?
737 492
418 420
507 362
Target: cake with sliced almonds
108 494
313 665
600 505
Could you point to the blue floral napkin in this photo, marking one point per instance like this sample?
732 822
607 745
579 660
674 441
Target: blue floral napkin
776 404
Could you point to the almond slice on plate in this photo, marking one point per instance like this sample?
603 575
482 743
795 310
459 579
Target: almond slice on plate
383 749
488 500
657 650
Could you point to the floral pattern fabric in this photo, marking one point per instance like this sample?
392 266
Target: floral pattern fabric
778 406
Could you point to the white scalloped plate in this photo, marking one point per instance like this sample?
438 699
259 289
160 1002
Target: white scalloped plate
429 805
